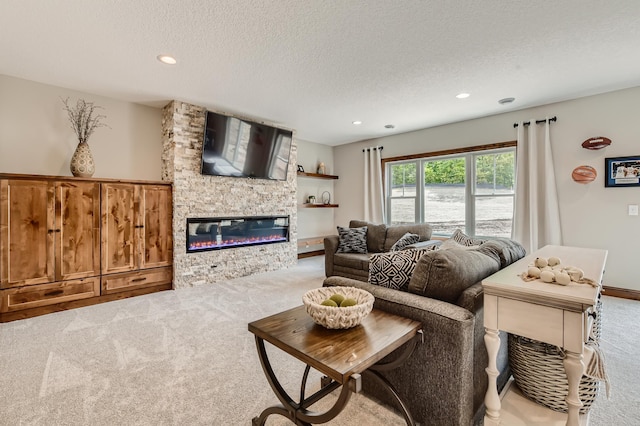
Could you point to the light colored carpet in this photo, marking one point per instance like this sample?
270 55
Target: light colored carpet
186 358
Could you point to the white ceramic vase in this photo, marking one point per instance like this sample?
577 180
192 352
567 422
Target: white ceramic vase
82 164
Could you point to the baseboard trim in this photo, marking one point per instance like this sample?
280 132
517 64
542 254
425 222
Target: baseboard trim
310 254
623 293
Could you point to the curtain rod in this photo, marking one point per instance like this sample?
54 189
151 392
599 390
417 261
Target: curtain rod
369 149
526 123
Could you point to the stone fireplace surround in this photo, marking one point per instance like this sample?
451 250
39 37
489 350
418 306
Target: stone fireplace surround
199 196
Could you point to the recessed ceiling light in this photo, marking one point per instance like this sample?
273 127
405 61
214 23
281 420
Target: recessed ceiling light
462 95
357 122
504 101
167 59
389 126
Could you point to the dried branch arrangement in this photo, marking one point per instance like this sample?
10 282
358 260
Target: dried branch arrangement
84 118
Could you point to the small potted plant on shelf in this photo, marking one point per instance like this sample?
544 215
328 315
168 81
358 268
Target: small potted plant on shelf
84 120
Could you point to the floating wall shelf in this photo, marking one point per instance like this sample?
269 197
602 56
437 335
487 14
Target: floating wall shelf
317 175
318 206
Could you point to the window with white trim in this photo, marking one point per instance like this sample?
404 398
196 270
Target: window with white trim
472 191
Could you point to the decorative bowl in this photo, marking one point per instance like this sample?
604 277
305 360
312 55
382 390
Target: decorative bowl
338 317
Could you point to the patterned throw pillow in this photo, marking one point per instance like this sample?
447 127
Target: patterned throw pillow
405 240
394 269
352 240
460 237
452 244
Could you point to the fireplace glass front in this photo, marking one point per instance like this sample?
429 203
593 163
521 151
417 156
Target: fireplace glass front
205 234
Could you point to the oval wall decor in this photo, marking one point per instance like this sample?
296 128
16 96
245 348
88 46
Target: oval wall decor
596 143
584 174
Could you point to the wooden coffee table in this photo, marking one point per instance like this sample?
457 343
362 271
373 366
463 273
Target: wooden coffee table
341 355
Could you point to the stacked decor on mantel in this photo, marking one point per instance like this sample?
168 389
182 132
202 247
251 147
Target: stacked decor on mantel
84 120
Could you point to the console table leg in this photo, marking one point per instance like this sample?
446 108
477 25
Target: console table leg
492 399
574 367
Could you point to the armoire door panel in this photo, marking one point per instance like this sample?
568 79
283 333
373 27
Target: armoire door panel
28 233
78 218
156 247
118 227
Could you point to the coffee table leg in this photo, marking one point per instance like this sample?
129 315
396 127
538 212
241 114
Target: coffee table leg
297 412
375 372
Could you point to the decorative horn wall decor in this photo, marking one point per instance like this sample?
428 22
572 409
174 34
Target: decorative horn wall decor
584 174
596 143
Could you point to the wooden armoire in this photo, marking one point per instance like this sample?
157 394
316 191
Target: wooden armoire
67 242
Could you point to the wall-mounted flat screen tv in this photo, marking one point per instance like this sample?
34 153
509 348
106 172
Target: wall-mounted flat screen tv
241 148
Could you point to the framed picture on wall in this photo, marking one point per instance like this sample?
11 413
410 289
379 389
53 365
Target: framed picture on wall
622 171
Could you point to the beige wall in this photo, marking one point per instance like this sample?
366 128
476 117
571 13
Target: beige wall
36 137
591 215
315 222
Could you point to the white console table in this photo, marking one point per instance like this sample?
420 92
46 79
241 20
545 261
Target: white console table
550 313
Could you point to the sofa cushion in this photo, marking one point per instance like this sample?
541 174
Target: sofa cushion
405 240
352 240
359 261
507 249
395 232
445 274
394 269
460 237
376 233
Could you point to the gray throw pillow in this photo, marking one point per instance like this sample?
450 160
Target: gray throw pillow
394 269
445 274
352 240
404 241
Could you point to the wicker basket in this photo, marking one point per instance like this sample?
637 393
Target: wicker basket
538 370
336 318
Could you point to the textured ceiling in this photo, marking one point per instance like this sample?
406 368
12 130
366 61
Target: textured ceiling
317 65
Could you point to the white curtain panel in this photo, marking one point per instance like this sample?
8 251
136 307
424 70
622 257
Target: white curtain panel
536 221
373 194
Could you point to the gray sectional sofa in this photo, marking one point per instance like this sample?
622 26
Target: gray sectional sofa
444 381
380 239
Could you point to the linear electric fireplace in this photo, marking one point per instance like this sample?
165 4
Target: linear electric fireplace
218 233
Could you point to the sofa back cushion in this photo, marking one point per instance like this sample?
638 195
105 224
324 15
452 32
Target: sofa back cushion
395 232
508 250
376 233
445 274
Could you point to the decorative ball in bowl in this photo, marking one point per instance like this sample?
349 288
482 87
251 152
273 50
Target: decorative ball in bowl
338 307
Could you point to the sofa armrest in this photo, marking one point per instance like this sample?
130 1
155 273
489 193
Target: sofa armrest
396 300
441 368
331 243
